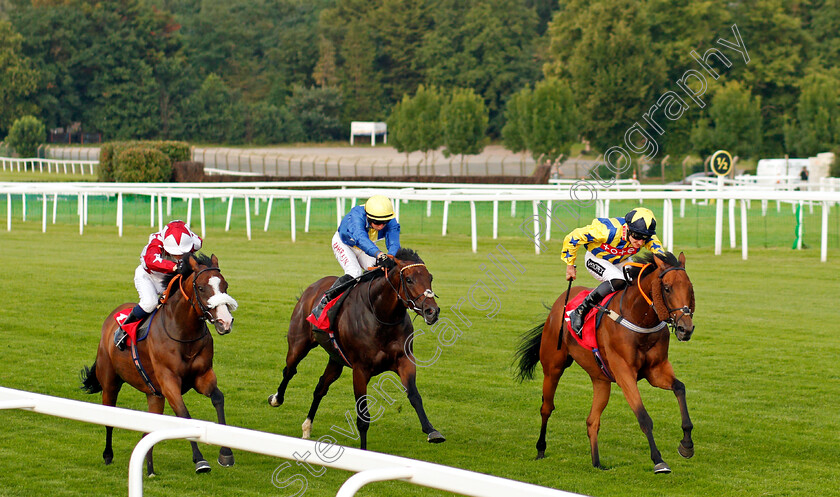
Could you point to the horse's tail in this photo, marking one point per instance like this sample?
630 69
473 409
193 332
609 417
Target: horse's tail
90 383
528 352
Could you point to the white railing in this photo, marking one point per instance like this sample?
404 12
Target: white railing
368 466
60 165
542 202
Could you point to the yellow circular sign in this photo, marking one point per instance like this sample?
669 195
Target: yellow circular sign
721 162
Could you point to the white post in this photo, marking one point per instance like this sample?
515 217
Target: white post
306 220
229 212
606 212
23 201
799 226
824 236
338 212
168 206
397 210
55 207
473 227
744 244
732 241
294 217
86 197
247 218
81 215
268 213
189 211
719 220
445 216
201 213
495 219
120 214
513 208
43 213
536 227
429 208
138 455
152 211
8 212
160 212
682 208
548 223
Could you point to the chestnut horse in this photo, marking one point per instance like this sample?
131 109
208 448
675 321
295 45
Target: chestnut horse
375 333
629 355
177 353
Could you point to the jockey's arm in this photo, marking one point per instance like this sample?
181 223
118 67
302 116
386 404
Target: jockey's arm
392 236
654 245
595 232
154 259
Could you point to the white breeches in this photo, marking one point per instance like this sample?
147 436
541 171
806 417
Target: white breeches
352 259
149 287
603 270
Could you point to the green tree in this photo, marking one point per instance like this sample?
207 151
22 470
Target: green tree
464 120
554 121
824 25
361 89
402 127
517 121
318 112
817 126
213 113
400 26
26 134
737 120
604 50
428 102
18 79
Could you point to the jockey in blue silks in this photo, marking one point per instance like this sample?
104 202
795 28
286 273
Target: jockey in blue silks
354 247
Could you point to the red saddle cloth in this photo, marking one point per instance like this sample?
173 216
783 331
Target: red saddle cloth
323 322
588 341
131 328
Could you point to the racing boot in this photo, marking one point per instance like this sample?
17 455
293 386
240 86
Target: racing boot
137 314
337 287
577 316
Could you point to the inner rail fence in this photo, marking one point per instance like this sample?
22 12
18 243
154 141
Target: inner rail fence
369 466
551 206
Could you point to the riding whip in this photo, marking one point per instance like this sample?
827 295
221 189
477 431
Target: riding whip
563 319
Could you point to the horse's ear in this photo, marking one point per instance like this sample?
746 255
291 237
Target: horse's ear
214 260
193 263
682 259
659 263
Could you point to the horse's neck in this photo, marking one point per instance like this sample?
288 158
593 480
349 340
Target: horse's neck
384 296
635 306
177 310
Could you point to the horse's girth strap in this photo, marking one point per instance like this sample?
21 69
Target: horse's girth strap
630 326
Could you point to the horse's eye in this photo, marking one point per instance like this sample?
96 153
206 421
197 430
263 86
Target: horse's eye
200 288
667 289
409 281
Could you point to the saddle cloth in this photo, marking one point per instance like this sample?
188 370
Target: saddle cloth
136 331
588 340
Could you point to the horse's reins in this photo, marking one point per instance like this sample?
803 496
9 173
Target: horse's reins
409 303
200 308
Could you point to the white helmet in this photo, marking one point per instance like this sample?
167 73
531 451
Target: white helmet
179 240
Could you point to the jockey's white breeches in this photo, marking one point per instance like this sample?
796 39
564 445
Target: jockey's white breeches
352 259
603 270
149 287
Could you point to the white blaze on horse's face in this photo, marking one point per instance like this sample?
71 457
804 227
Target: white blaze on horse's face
223 303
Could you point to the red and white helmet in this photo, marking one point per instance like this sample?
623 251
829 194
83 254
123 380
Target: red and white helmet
179 240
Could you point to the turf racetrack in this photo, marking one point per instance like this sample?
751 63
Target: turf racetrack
761 371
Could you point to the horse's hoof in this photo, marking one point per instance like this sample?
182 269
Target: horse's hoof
540 455
686 452
435 438
661 468
226 461
273 401
598 466
306 429
202 467
152 475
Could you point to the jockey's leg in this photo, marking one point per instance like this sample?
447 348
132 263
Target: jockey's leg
334 291
577 316
148 292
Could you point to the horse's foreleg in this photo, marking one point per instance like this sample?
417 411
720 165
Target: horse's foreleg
207 385
408 373
155 406
600 398
663 377
363 419
626 379
331 373
171 388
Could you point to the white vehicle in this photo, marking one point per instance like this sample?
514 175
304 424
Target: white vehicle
780 171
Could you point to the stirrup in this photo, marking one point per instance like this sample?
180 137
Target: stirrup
120 337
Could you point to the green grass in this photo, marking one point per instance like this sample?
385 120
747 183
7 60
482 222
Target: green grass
761 374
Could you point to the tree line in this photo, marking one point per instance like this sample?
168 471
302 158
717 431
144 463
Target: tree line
537 74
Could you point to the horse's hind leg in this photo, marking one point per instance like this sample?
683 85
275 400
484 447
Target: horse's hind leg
663 377
297 351
600 398
207 385
109 398
331 373
551 377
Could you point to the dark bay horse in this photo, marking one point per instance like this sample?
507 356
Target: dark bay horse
629 355
375 332
177 354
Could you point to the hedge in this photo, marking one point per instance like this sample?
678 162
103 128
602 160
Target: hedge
142 165
175 151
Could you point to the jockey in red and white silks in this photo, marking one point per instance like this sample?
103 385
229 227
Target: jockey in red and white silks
158 259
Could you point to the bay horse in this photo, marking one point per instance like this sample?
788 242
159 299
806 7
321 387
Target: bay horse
374 330
177 354
629 355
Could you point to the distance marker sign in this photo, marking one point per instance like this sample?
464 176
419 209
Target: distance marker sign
721 162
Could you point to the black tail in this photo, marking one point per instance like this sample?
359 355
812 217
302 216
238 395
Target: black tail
528 353
90 383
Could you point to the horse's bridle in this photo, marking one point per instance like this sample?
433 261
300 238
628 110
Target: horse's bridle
672 320
407 301
202 309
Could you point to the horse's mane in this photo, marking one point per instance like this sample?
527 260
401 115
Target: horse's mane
406 254
186 269
647 258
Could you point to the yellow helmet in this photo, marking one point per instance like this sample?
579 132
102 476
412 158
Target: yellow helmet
379 208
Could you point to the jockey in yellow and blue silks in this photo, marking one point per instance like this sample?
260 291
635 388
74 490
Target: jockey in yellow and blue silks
353 243
609 243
